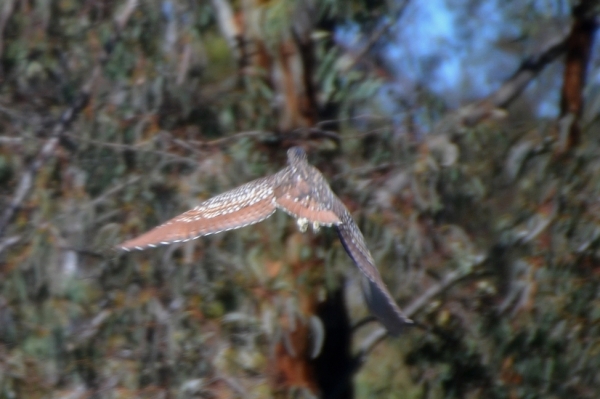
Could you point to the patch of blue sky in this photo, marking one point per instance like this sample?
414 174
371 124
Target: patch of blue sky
452 53
463 50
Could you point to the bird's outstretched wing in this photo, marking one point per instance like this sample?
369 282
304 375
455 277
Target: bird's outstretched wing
378 298
245 205
301 191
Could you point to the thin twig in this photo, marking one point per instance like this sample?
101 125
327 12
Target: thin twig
352 118
315 133
133 147
112 191
224 140
9 241
377 34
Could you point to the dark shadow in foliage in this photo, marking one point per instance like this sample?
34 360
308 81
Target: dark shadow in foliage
334 367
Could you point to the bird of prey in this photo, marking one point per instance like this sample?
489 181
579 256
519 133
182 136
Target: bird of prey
301 191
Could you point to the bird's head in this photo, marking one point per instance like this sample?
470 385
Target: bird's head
295 155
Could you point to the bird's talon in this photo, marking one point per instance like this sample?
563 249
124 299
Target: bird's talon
302 224
316 227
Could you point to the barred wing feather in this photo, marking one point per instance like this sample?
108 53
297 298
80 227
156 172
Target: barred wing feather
242 206
378 298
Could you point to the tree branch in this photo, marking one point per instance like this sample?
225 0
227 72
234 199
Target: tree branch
62 125
415 306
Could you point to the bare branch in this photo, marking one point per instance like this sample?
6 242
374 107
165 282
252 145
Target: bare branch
492 106
527 71
58 132
26 182
415 306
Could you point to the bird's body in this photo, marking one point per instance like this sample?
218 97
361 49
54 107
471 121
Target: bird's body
301 191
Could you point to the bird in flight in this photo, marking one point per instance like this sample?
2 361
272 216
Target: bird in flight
301 191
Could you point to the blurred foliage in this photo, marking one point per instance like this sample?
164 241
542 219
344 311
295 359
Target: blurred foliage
171 120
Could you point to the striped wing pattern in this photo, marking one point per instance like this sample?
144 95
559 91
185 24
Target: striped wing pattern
245 205
378 298
301 191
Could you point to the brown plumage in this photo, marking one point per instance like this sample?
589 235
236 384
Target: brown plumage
301 191
245 205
